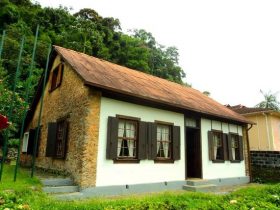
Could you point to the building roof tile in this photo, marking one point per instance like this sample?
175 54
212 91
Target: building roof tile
103 74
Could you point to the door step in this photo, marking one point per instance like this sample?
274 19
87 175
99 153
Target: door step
61 189
199 185
59 186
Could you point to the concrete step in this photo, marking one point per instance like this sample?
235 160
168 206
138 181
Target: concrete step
201 188
69 196
57 182
197 182
61 189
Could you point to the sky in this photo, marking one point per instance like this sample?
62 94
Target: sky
229 48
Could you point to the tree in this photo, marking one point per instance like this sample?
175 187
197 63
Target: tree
270 101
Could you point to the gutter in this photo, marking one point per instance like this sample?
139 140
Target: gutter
249 154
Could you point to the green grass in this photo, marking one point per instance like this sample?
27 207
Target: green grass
26 194
24 181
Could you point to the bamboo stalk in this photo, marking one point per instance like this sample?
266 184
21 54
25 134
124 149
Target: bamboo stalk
26 99
40 113
6 134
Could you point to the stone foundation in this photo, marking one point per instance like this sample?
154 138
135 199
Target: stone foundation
265 165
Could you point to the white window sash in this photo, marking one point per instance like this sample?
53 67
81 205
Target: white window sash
25 142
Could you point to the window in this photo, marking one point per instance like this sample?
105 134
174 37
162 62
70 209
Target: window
57 77
217 146
225 147
25 142
57 139
163 141
127 138
28 142
235 147
130 140
61 139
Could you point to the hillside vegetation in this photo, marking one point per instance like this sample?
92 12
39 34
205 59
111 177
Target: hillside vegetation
85 31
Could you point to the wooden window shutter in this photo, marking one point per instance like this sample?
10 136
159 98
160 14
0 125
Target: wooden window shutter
112 138
210 145
60 74
31 141
225 146
152 141
229 143
65 138
142 152
241 148
38 142
176 140
50 150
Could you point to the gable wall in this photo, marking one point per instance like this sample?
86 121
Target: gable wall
262 134
81 104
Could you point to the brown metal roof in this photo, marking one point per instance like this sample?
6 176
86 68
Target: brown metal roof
241 109
119 79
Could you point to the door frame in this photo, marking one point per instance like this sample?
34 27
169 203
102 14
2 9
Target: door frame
198 128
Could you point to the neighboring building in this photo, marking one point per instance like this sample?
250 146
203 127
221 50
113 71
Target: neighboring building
265 134
107 125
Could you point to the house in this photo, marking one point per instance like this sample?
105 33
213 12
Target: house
113 128
265 135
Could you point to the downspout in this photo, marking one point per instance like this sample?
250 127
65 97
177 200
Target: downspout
259 141
267 131
248 151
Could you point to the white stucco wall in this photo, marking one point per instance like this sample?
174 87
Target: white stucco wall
219 170
146 171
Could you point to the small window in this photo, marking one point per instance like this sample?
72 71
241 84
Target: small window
61 136
163 141
57 139
218 146
25 142
56 77
127 139
235 147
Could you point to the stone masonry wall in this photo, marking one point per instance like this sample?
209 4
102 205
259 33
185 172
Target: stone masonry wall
265 159
82 105
265 166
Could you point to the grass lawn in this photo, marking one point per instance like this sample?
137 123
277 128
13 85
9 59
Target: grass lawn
26 194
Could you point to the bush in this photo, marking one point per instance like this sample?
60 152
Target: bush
10 200
13 143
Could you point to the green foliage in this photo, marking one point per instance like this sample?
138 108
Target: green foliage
26 194
270 101
8 100
13 143
86 31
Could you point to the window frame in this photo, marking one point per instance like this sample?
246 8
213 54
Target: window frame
126 159
163 159
64 139
51 144
56 78
230 147
212 146
25 141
